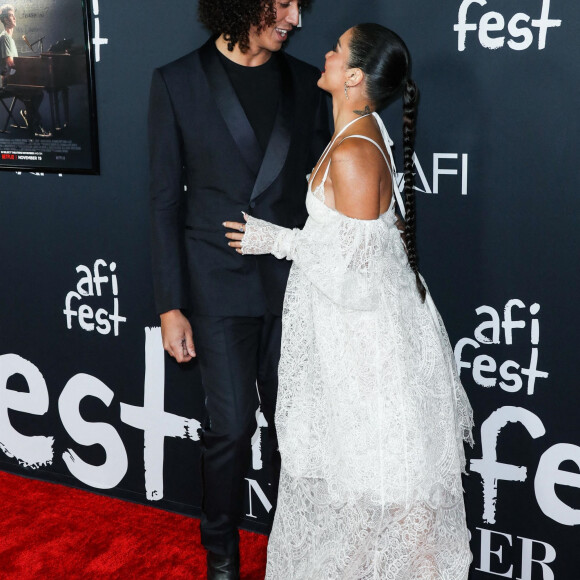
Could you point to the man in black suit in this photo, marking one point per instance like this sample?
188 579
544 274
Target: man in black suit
234 126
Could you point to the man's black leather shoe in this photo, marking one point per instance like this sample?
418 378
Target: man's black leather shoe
223 567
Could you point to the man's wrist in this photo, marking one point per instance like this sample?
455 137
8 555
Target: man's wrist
171 314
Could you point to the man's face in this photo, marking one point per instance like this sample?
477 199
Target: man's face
273 37
9 20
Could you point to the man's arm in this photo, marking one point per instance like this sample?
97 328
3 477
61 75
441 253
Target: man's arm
166 199
166 190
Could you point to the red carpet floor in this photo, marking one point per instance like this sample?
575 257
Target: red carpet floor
53 532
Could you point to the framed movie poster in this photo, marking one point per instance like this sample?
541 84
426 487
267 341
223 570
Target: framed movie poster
48 118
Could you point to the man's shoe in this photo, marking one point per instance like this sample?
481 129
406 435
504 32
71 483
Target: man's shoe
223 567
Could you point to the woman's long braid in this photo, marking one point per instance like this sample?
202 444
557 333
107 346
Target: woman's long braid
410 96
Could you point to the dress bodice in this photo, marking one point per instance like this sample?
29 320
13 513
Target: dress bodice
320 212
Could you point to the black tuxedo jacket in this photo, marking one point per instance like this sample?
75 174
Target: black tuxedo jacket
207 167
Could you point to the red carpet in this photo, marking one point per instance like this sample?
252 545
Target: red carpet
53 532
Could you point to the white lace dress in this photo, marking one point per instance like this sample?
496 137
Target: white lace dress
371 416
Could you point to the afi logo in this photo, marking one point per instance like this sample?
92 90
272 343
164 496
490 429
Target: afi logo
492 24
453 164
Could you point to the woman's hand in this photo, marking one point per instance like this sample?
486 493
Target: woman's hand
236 236
257 237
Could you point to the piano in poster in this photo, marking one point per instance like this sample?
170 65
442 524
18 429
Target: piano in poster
54 73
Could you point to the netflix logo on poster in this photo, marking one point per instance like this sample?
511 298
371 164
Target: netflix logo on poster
94 304
493 29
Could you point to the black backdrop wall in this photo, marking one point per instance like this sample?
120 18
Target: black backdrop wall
87 397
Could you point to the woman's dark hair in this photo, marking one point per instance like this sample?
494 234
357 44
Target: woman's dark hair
384 59
234 18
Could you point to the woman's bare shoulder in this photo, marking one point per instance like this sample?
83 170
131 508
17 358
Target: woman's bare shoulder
355 170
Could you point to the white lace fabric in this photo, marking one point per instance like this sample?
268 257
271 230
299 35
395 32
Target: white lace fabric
371 416
340 260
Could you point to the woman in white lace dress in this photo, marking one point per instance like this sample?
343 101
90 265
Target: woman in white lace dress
371 416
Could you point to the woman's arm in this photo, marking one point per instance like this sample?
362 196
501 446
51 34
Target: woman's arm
355 179
341 258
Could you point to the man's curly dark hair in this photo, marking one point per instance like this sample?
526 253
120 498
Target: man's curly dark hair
234 18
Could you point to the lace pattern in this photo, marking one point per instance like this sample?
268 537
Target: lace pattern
314 539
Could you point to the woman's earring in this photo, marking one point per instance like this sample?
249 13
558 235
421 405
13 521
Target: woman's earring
346 87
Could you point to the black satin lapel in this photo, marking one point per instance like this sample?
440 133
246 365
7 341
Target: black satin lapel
279 142
230 107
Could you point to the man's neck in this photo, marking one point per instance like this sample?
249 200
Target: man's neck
8 31
252 57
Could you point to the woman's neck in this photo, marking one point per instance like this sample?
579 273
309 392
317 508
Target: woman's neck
344 111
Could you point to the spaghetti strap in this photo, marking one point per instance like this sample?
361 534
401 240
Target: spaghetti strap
389 164
388 143
326 172
320 162
366 139
329 147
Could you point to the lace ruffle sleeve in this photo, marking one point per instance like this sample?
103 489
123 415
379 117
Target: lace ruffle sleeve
341 257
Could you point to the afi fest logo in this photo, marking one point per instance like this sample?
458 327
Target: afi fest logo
156 424
518 326
484 368
93 284
492 28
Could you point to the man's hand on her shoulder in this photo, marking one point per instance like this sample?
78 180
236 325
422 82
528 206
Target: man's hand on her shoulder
177 336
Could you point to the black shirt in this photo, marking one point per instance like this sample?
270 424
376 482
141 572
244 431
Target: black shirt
258 88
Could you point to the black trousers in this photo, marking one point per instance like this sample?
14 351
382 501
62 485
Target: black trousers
238 358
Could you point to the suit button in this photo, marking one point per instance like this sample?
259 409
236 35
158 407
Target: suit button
252 204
